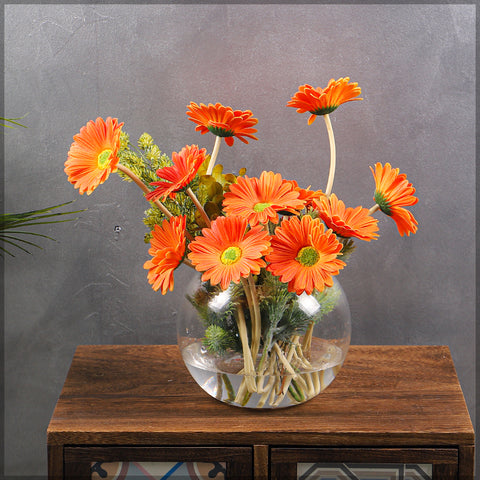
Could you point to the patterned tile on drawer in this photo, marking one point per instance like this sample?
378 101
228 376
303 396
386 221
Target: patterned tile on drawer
158 470
350 471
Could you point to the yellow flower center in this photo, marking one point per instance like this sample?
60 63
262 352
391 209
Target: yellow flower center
104 159
308 256
260 207
231 255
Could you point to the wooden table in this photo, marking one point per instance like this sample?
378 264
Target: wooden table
389 407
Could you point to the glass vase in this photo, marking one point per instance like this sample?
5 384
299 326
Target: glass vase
257 345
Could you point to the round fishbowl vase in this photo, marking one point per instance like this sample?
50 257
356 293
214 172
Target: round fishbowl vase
257 345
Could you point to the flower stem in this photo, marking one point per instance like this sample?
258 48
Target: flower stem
137 180
307 339
199 206
333 158
144 188
249 370
374 209
254 314
213 158
283 360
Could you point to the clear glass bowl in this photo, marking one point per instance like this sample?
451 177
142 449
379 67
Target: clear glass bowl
257 345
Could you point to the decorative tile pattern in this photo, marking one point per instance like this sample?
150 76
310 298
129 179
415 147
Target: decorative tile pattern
362 471
158 470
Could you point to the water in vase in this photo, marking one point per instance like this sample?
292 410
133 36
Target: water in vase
222 377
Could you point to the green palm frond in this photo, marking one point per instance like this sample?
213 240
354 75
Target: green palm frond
11 122
11 222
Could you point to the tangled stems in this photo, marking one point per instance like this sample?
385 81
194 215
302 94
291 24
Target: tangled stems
281 362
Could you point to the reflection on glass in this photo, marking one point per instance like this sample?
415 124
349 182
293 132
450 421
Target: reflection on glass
363 471
158 470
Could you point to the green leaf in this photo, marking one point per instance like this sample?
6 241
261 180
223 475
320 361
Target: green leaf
13 121
10 222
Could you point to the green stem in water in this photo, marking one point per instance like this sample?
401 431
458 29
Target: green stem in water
307 339
333 158
213 158
229 387
249 368
296 392
257 321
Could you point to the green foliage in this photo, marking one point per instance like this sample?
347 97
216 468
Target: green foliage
327 299
281 312
220 323
182 205
10 223
11 122
217 340
281 316
347 248
210 189
144 161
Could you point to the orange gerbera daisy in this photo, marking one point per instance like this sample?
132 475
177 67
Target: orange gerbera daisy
227 251
93 154
185 166
167 248
392 192
320 101
347 222
304 255
305 194
259 199
223 121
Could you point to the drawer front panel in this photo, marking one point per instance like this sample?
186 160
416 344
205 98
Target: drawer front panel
158 462
353 471
158 470
364 463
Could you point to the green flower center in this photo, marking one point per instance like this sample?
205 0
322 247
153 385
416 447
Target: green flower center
231 255
383 202
104 159
324 111
308 256
221 132
260 207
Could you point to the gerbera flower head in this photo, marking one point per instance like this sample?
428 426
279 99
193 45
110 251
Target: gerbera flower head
260 199
347 222
227 251
167 248
393 192
306 195
93 154
322 101
177 177
304 255
223 121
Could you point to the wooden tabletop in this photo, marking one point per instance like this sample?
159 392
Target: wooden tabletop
143 394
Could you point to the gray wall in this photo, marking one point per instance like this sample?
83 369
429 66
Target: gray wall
66 64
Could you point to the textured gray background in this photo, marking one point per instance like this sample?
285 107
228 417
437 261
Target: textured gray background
66 64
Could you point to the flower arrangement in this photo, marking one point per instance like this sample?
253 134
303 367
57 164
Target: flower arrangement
265 239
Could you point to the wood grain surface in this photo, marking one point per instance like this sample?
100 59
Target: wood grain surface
383 395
